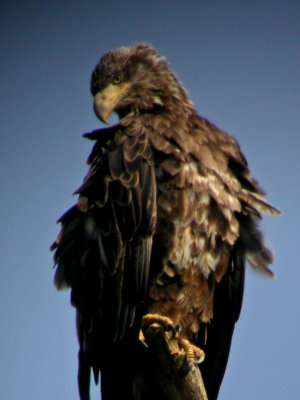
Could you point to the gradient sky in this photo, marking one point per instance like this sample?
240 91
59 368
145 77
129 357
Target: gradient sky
239 60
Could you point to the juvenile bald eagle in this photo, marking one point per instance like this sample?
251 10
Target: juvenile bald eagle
165 222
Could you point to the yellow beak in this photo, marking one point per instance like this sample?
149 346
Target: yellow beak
106 100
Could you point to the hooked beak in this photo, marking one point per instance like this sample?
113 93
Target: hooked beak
106 100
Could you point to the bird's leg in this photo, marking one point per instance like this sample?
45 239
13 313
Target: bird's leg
176 343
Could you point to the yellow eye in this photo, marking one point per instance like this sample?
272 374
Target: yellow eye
117 79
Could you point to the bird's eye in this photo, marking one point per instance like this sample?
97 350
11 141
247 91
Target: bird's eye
117 79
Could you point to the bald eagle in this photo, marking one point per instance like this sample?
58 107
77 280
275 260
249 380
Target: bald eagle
165 221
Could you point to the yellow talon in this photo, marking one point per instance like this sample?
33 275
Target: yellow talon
176 343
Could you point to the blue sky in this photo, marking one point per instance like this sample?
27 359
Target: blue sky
240 62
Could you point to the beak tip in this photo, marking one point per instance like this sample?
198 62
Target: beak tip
101 111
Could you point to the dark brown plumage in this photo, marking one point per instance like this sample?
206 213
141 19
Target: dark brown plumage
165 221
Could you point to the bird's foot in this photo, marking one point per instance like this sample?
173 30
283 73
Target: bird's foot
162 320
165 322
192 352
176 343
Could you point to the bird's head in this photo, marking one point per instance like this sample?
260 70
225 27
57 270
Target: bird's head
131 80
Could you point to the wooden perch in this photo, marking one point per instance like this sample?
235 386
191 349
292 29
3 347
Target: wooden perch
161 375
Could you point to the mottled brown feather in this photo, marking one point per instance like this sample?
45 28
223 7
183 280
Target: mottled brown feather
166 218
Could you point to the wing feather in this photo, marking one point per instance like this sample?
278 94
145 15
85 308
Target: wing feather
208 207
104 247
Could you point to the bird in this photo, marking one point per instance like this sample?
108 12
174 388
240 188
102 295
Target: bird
166 219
